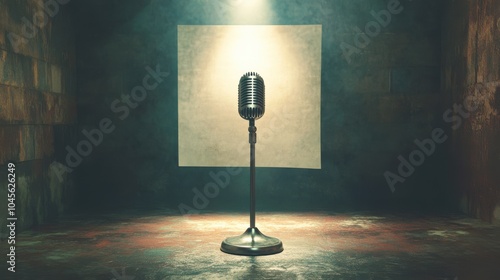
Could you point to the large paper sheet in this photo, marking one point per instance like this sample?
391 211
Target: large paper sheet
211 61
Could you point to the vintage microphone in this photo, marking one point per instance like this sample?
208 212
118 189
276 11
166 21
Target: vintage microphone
251 106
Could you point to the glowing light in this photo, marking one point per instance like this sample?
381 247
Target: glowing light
250 48
250 12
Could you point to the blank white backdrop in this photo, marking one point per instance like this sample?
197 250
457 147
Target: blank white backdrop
211 61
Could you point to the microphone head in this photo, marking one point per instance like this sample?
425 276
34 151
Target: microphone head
251 96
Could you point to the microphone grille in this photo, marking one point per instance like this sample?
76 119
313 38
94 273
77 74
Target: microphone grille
251 96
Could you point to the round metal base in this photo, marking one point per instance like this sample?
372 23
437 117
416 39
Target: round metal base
252 243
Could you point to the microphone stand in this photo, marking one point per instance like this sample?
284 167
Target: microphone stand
252 242
252 139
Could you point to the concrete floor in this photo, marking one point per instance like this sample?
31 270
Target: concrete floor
320 245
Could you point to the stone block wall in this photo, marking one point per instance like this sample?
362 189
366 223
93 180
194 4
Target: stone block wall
37 107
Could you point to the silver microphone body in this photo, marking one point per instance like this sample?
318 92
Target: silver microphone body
251 96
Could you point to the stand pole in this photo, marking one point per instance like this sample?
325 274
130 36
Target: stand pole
252 138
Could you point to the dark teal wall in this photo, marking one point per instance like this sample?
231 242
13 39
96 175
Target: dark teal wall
373 106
